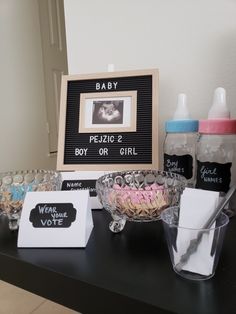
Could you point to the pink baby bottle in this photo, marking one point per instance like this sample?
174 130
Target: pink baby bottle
216 147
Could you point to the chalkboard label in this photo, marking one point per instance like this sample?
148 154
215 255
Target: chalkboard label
182 165
213 176
69 185
52 215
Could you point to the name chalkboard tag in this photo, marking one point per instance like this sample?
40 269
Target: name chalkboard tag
83 180
55 219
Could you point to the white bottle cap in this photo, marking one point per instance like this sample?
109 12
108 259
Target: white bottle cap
181 112
181 122
219 109
110 67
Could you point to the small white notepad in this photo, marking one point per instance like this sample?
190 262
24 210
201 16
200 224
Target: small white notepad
196 206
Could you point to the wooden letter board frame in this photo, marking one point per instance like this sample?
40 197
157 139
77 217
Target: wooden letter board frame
109 121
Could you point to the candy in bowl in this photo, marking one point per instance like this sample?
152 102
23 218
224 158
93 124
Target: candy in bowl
14 185
138 195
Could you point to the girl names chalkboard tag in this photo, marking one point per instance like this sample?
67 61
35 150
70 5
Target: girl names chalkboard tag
55 219
108 121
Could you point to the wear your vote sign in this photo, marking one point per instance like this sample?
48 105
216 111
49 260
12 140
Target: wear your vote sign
55 219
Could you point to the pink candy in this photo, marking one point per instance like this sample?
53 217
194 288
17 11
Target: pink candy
137 195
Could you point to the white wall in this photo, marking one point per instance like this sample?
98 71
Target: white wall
193 43
23 136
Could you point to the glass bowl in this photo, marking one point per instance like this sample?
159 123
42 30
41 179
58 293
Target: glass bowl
15 184
138 195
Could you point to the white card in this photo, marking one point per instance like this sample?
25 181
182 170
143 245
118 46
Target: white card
55 219
80 180
196 206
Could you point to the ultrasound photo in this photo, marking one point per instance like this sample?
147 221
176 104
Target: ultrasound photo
108 112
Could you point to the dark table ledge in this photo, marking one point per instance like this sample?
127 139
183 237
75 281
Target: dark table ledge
129 272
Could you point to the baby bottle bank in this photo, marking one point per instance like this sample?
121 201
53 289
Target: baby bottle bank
180 142
216 147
